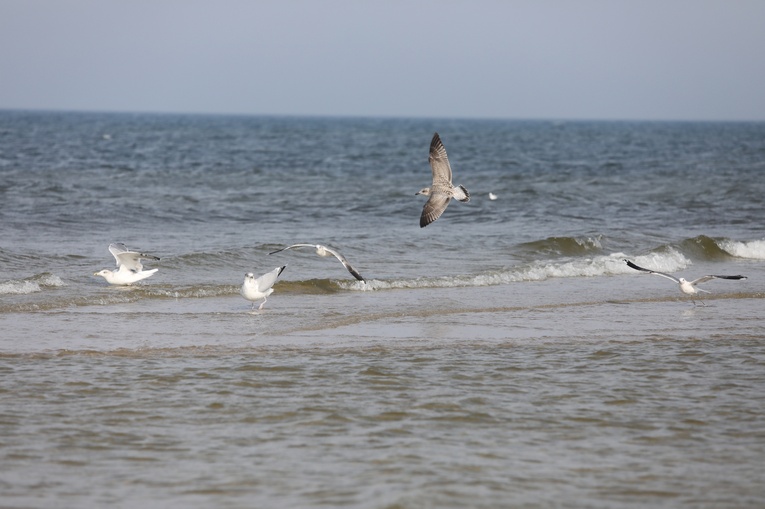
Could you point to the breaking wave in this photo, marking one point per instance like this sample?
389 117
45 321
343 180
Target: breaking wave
754 249
34 284
669 260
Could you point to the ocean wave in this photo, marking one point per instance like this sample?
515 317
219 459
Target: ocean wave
564 246
666 259
190 292
702 247
311 286
33 284
706 248
754 249
669 260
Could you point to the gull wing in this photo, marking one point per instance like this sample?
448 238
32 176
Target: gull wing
439 163
345 263
131 260
707 278
334 253
126 258
433 208
290 247
662 274
117 249
268 279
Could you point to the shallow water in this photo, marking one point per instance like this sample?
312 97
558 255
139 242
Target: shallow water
503 356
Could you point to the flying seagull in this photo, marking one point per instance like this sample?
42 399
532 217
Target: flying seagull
687 287
326 251
441 190
129 262
260 288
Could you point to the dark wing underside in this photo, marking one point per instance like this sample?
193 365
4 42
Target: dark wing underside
433 208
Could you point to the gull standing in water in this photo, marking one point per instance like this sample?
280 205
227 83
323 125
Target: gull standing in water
129 262
326 251
260 288
441 191
687 287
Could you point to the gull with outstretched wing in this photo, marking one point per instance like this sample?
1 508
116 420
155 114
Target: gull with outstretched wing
441 190
325 251
129 266
687 287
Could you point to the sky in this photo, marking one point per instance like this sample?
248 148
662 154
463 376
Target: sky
535 59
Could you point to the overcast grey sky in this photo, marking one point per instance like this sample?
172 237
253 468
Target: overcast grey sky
585 59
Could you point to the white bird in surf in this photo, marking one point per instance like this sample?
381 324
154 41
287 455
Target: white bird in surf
129 262
687 287
441 191
254 289
324 251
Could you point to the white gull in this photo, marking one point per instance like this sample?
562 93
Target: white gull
687 287
129 262
324 251
260 288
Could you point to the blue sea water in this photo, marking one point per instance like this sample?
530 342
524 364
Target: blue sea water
505 355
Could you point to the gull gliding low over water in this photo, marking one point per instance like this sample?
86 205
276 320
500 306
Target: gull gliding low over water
687 287
260 288
441 191
322 250
129 262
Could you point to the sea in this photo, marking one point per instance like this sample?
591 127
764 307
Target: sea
503 356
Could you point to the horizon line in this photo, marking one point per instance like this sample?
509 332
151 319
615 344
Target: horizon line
373 116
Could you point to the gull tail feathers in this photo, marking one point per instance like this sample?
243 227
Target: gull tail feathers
466 198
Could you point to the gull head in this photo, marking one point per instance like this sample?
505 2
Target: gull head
682 280
249 276
103 273
424 191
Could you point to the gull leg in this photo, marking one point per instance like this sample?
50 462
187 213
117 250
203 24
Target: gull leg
262 303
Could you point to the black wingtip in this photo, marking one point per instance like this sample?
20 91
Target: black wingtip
435 140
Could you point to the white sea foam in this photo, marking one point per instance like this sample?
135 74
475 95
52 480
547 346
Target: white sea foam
30 285
18 287
669 260
590 242
754 249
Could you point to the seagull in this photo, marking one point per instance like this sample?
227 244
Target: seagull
326 251
492 196
687 287
441 190
129 262
260 288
